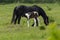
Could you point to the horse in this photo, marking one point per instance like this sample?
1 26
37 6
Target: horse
33 14
42 13
20 11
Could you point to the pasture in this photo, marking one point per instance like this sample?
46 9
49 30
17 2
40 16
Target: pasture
22 32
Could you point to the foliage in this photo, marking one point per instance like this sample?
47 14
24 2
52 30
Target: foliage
29 1
53 31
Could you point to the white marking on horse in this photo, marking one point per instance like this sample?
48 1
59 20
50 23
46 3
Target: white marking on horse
34 22
35 12
28 18
27 15
28 23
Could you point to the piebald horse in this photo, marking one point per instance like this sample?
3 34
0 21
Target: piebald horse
34 15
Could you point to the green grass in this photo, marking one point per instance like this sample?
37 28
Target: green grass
22 32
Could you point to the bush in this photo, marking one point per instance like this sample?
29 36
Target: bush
53 32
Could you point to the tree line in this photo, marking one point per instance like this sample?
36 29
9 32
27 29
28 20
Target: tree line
29 1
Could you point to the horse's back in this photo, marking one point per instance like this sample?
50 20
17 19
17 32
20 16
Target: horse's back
39 10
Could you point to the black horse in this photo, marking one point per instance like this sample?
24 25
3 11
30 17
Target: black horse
20 11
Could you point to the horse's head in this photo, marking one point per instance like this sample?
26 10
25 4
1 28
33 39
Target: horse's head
46 20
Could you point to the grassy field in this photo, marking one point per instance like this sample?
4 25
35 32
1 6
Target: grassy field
22 32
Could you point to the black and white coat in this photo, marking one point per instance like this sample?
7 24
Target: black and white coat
34 15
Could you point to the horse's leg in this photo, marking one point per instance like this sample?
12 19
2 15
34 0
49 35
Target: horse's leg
28 22
36 21
27 18
15 19
19 18
33 24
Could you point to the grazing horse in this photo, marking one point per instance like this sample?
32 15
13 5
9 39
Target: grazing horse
23 11
42 13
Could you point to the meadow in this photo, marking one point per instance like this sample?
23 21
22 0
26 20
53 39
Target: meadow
10 31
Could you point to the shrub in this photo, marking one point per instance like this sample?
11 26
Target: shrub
53 32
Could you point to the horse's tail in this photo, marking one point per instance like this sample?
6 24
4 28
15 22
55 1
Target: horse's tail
13 17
